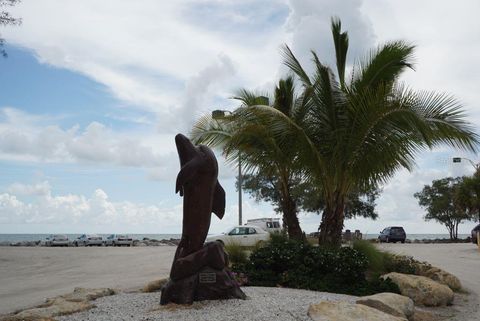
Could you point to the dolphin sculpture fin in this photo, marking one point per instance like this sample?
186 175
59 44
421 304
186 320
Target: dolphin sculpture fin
218 205
187 172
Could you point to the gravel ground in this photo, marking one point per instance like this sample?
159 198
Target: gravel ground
262 304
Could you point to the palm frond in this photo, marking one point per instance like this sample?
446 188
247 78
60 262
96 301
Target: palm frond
249 98
294 65
383 65
340 40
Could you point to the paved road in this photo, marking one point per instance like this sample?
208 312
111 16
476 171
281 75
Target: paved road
463 260
29 275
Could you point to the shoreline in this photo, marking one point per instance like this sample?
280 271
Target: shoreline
135 243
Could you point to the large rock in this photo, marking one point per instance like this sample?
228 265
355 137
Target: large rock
155 285
86 294
391 303
56 307
343 311
421 290
78 300
439 275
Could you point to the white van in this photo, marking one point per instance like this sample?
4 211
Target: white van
271 225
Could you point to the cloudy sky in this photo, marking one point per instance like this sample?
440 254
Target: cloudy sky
93 92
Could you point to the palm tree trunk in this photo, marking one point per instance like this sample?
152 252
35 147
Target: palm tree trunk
332 223
290 217
289 208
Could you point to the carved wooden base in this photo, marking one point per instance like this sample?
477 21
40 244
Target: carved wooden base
201 276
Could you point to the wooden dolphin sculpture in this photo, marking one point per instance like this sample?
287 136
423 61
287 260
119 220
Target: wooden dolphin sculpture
202 194
199 271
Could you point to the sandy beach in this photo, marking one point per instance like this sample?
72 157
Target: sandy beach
28 275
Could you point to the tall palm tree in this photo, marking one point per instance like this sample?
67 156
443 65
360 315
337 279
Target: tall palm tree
356 132
255 145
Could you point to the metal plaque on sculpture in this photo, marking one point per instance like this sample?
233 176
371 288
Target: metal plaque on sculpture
207 277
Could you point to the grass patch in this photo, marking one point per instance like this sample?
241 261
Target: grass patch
237 254
381 262
377 260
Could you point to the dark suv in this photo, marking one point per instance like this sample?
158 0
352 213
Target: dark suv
393 234
474 233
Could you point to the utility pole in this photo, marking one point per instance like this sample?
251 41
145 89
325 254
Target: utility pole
218 115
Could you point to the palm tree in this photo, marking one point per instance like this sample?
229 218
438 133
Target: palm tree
259 151
353 133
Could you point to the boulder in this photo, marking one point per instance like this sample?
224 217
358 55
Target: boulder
85 294
344 311
421 290
391 303
439 275
55 307
70 303
154 285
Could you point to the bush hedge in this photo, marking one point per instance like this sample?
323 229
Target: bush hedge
284 262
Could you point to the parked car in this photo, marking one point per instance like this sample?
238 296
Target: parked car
393 234
88 240
474 233
271 225
246 235
118 240
57 240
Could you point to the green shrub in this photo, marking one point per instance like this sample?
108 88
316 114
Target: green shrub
236 254
289 263
401 264
376 285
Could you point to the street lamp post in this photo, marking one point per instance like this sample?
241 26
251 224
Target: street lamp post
459 160
219 114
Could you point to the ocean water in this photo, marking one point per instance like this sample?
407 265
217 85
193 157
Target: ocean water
42 237
71 237
420 236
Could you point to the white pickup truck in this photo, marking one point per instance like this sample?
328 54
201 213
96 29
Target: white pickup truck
271 225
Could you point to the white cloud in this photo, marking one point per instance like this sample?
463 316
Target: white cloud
38 189
179 59
146 54
27 137
98 213
308 27
97 209
34 141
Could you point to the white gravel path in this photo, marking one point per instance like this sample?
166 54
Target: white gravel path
263 304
